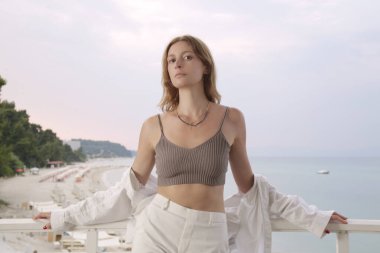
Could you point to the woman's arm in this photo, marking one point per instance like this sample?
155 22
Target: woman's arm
144 161
241 169
294 209
109 205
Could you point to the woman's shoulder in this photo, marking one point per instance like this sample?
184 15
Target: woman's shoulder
151 130
234 114
234 124
151 123
151 119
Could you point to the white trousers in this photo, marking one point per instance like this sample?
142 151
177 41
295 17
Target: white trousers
165 226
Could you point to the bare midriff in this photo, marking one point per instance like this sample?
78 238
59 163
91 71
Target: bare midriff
195 196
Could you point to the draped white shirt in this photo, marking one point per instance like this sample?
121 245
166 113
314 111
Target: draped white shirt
248 215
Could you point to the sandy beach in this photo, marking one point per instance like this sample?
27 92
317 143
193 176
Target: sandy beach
52 188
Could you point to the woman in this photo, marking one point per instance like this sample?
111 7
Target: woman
190 144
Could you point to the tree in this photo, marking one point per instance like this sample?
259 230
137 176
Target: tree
3 82
5 162
25 144
29 143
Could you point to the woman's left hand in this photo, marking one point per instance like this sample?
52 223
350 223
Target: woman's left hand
336 218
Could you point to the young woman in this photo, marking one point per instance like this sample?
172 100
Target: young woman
190 143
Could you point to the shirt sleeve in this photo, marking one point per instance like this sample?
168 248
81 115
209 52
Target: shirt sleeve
111 205
295 210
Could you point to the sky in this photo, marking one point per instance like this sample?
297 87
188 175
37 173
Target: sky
304 73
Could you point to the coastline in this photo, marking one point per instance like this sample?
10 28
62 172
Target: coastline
27 194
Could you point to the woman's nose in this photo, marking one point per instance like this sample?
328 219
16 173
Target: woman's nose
178 63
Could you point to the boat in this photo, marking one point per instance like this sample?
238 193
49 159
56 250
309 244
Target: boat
323 172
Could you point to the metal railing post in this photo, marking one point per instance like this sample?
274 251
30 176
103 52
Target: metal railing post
342 242
92 241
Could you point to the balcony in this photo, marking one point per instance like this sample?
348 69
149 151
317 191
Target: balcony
342 231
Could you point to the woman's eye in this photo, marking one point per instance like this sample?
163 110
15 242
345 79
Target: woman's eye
171 60
188 57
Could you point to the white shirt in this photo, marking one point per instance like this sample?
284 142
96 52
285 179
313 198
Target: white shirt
248 215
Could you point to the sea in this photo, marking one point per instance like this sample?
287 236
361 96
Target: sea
351 188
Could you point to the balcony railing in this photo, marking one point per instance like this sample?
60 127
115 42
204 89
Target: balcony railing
342 230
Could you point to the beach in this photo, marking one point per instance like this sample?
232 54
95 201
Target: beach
52 188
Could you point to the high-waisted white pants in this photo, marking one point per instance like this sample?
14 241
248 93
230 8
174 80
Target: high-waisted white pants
167 227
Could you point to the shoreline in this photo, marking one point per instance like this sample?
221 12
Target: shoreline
27 193
23 188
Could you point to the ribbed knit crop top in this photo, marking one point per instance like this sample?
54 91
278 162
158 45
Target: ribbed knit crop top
204 164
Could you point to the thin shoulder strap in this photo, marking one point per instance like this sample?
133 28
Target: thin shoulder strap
159 121
225 114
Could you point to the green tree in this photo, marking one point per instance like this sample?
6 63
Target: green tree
5 162
23 143
3 82
80 154
15 132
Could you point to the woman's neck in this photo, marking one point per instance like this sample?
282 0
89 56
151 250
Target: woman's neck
192 104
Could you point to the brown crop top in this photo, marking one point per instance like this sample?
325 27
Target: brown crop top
204 164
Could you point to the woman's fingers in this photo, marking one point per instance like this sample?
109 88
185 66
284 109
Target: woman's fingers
342 216
42 215
47 226
337 217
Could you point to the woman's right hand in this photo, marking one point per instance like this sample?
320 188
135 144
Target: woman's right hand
44 215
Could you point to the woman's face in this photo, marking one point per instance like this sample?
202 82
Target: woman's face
184 67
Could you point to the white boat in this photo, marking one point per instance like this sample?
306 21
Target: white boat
323 172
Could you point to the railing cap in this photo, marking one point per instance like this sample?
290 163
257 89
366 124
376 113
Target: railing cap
354 225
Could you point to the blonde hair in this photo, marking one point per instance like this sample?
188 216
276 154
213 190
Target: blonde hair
170 97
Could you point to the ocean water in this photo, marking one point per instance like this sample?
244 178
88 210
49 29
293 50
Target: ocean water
352 188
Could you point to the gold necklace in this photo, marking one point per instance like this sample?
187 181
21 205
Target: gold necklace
194 124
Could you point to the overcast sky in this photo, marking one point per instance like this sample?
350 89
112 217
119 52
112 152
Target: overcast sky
304 73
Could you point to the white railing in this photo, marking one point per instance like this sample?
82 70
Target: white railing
342 230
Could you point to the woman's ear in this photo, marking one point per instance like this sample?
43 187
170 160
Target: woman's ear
206 71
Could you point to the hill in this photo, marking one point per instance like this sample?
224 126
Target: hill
103 149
